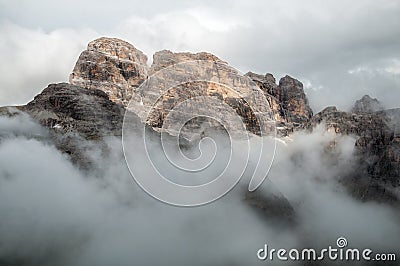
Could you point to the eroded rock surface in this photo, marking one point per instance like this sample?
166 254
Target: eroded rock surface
165 58
69 108
108 75
367 105
287 100
290 94
173 82
111 65
377 150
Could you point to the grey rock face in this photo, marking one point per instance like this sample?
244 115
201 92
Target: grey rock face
272 205
267 83
69 108
377 150
287 100
367 105
77 119
290 94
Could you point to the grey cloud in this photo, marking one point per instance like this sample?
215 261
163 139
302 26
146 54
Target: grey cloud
55 214
31 59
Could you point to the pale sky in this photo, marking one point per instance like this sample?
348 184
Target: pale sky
340 50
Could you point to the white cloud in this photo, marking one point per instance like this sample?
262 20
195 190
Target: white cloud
393 68
31 59
101 217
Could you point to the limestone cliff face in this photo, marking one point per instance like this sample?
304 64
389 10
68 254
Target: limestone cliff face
108 75
202 77
287 100
267 84
111 65
165 58
290 94
118 68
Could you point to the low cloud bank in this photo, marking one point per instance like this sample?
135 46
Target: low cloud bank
53 213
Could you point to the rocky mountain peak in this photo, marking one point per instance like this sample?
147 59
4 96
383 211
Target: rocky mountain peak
165 58
108 74
367 105
329 109
117 48
267 82
290 94
287 100
111 65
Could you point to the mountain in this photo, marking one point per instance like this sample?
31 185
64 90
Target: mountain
377 149
108 74
287 100
367 105
111 65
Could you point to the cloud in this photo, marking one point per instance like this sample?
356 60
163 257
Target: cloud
55 214
20 125
31 59
309 175
340 49
101 217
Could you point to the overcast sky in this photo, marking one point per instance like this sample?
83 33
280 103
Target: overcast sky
340 50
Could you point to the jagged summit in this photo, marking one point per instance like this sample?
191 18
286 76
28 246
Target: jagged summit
118 68
266 82
118 48
107 75
293 99
367 105
287 99
111 65
165 58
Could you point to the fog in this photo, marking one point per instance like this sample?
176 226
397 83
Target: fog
55 213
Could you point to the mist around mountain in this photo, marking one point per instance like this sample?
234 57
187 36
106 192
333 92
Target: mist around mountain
67 196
